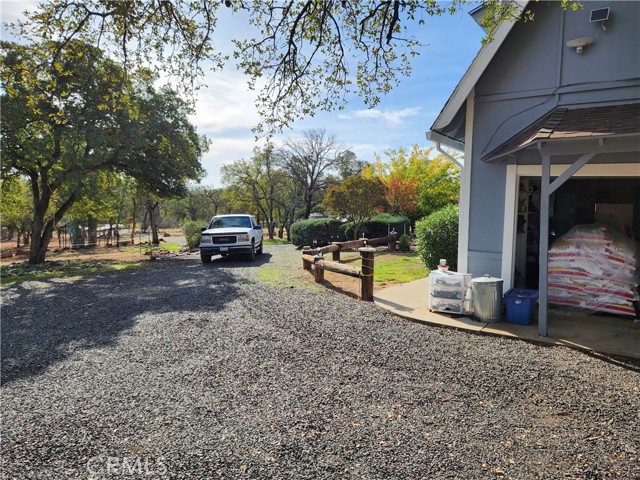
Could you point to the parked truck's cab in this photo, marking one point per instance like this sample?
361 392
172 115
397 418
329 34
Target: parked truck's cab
237 234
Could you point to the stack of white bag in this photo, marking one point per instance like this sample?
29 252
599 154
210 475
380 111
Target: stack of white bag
596 268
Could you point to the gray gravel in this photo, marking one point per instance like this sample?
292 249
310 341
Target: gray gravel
184 370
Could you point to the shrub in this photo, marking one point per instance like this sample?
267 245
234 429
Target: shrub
379 226
404 244
191 230
346 230
322 230
385 222
437 237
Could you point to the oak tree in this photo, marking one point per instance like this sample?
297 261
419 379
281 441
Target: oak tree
69 113
308 55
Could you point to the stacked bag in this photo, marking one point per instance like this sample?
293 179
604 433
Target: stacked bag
595 268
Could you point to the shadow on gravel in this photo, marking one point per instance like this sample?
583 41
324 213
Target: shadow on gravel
630 364
45 322
239 261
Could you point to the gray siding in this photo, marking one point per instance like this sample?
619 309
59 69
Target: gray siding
535 71
532 73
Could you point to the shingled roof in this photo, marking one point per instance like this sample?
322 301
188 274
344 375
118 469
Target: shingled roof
565 123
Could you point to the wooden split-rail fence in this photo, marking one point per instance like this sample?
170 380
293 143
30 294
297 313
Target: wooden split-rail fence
313 260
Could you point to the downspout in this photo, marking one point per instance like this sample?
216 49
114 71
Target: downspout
449 156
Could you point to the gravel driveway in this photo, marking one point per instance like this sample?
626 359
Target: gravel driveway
184 370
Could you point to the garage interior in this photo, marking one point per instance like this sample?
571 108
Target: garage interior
614 202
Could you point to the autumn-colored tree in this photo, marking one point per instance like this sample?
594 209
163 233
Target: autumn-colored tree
417 182
402 195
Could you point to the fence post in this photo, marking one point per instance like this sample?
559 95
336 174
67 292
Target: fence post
305 264
366 273
335 255
318 274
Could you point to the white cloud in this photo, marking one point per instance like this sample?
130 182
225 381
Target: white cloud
392 117
225 104
225 150
11 10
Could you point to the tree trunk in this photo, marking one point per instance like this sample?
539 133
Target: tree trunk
38 237
307 208
152 208
92 230
110 232
42 232
133 221
40 243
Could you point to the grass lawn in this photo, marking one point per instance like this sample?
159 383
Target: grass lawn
392 267
172 247
275 241
398 267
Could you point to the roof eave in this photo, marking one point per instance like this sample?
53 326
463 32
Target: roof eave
474 72
444 140
629 139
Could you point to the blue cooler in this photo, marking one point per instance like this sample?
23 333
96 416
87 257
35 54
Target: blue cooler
521 304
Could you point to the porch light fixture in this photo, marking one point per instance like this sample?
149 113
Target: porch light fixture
580 43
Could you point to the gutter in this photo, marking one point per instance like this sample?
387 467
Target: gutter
439 139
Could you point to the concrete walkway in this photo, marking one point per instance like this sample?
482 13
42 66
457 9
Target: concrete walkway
595 333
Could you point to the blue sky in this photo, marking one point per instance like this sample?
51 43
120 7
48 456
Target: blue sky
225 110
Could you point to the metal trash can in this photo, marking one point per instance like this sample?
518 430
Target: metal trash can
487 298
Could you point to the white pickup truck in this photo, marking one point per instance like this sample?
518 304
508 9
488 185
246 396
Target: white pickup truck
231 235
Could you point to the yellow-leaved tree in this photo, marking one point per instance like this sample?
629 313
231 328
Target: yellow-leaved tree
417 182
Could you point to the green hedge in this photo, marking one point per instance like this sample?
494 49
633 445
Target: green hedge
191 230
437 237
379 226
322 230
399 223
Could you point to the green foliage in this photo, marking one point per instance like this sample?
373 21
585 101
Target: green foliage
260 183
306 56
321 230
417 182
70 112
437 237
378 226
386 222
199 202
404 244
346 230
191 230
16 206
356 199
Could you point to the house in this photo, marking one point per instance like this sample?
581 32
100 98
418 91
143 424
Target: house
548 118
